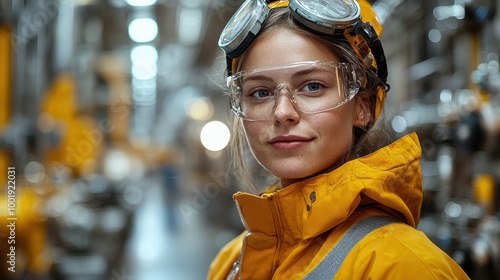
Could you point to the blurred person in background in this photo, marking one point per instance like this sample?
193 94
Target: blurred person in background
170 173
307 82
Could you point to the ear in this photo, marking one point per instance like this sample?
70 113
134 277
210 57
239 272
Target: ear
362 116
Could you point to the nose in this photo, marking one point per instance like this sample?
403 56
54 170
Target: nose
285 111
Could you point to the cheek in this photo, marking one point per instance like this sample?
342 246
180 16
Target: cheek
338 120
335 130
252 130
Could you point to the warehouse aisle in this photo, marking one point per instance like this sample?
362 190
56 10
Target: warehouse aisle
158 251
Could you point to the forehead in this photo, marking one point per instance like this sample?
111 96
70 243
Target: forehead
294 71
284 46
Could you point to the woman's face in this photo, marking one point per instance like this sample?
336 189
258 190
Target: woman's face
294 145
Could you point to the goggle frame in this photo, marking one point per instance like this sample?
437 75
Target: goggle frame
351 84
350 24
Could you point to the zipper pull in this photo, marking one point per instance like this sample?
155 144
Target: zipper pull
235 271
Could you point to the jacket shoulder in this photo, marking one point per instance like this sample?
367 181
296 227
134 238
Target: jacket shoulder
399 251
224 260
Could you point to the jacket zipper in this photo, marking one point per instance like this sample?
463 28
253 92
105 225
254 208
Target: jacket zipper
275 210
235 270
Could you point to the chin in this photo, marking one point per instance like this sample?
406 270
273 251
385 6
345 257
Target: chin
293 175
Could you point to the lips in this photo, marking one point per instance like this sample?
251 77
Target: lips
289 142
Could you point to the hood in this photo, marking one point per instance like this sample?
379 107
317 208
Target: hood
389 179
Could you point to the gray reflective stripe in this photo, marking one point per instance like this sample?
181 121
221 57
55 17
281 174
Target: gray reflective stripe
329 266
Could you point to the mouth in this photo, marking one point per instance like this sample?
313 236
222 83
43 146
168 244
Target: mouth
289 142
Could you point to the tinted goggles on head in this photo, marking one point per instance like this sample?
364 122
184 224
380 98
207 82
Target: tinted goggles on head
311 86
331 18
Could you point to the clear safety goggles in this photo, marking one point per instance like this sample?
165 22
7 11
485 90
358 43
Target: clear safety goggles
333 17
311 86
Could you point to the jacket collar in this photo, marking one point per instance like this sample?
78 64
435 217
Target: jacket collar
390 177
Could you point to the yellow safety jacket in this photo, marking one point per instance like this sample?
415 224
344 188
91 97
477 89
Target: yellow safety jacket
290 231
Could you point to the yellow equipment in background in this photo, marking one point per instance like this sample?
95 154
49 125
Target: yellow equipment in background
5 90
81 139
27 231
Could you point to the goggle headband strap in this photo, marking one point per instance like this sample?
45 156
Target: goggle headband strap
368 33
364 29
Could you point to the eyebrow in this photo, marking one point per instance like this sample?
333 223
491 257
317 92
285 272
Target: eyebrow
257 78
269 79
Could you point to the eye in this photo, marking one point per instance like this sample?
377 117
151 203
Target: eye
312 87
260 94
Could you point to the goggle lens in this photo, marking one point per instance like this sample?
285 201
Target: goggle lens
246 22
312 87
331 10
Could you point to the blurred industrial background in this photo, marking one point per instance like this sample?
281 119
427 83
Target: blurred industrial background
113 130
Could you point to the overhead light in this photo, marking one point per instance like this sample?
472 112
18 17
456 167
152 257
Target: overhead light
141 3
144 56
446 12
189 26
142 30
191 3
144 62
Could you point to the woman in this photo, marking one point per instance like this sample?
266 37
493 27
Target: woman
306 101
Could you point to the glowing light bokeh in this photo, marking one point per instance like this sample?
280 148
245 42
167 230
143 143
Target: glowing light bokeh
215 136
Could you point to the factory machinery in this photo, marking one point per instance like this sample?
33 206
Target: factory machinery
70 182
76 209
450 95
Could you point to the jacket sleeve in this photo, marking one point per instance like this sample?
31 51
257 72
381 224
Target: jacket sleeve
222 264
399 252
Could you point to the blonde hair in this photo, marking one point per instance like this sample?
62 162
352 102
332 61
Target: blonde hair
364 142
